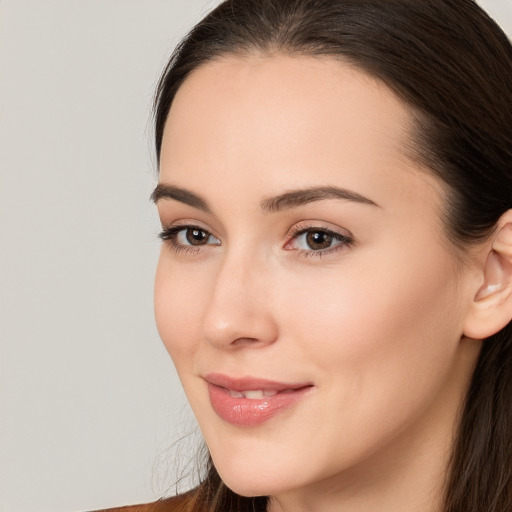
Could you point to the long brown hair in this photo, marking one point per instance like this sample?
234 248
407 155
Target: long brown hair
452 65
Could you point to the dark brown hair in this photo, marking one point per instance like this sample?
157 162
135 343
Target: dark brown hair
452 65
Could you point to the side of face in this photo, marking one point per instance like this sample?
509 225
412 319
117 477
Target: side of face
359 297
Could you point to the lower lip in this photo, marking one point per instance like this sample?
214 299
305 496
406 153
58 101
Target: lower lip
246 412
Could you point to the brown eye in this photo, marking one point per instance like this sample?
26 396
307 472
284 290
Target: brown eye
196 236
318 240
181 237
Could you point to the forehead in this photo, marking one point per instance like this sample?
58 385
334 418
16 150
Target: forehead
286 121
268 97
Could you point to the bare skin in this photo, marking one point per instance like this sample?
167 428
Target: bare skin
373 314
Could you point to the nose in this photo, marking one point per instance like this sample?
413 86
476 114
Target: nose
239 311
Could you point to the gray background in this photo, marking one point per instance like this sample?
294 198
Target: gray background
90 405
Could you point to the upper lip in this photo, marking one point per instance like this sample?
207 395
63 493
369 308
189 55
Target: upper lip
252 383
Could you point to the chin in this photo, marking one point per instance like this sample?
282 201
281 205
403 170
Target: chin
248 490
249 487
247 480
255 478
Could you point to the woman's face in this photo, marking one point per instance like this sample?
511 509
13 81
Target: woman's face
306 291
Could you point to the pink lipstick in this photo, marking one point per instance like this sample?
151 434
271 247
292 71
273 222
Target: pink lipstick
249 401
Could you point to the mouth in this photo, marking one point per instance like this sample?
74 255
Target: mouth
249 401
255 394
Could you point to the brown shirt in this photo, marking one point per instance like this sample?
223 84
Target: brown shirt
174 504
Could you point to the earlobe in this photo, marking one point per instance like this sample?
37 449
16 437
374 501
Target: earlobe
491 307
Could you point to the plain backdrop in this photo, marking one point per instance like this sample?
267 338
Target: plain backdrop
90 406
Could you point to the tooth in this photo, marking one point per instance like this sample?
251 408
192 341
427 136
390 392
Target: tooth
256 394
236 394
269 392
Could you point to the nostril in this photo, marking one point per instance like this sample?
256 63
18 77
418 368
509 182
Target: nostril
247 341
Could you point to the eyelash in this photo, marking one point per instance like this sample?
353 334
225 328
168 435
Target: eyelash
343 241
169 235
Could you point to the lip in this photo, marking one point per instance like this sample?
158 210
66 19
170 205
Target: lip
246 412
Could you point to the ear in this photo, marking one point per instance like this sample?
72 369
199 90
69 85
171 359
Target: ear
491 307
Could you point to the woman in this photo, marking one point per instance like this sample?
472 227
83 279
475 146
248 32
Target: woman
335 281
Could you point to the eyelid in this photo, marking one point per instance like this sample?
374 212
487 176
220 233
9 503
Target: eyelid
344 237
170 233
186 223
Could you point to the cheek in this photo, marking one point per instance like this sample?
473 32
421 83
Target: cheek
375 328
178 306
380 346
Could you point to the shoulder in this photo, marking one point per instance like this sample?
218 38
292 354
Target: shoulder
173 504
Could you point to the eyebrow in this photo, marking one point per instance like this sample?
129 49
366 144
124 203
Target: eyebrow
163 191
286 201
296 198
